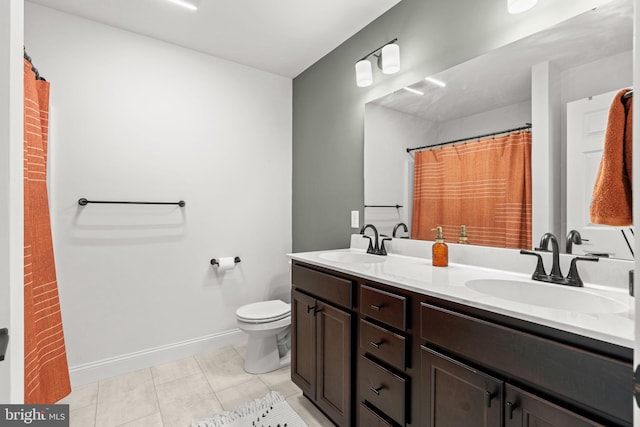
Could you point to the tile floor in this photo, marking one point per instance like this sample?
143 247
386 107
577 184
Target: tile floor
175 394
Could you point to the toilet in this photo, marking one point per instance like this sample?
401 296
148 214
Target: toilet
268 324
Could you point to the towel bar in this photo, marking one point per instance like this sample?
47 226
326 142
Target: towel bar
83 202
215 261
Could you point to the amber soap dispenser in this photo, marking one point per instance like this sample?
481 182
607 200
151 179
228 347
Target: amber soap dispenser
439 250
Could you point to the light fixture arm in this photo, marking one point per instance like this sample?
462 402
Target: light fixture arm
377 50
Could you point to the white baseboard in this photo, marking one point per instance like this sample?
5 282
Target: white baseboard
114 366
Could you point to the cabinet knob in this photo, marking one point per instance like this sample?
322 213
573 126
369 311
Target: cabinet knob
376 390
510 407
376 344
488 397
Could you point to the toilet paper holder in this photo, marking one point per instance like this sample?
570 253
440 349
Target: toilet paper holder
215 261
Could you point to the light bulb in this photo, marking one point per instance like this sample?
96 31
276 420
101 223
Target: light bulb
391 58
364 76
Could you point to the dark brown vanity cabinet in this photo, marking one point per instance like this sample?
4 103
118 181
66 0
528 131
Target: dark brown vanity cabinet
321 341
474 373
383 380
371 354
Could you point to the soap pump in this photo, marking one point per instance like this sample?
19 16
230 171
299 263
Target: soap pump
439 250
463 239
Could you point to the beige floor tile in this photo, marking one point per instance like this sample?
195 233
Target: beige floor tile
238 394
223 368
126 398
187 399
280 381
308 412
81 397
153 420
175 370
83 417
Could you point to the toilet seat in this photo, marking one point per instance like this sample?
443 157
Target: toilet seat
263 311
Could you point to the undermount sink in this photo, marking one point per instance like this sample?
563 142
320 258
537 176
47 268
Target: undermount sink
553 296
351 257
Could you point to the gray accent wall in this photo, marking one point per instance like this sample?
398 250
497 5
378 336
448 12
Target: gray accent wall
328 107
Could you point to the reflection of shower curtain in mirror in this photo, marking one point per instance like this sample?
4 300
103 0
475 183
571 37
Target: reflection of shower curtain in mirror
46 374
485 185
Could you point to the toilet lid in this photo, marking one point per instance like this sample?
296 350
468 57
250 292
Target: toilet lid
264 311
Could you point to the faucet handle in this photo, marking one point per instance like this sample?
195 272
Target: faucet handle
383 250
539 273
370 249
573 278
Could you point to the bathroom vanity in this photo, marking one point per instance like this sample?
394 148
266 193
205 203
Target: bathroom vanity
393 341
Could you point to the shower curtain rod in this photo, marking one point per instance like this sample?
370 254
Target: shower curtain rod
33 68
527 126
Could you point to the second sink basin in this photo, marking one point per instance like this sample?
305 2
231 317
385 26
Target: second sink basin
553 296
352 257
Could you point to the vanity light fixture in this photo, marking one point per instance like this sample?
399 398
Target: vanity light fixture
435 81
187 4
388 57
519 6
417 92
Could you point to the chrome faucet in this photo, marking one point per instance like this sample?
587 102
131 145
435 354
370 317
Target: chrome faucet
398 225
372 249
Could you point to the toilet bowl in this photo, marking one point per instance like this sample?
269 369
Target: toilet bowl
268 324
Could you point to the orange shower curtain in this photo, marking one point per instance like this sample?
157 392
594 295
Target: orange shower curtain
485 185
46 374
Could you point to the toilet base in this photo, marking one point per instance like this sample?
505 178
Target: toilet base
262 355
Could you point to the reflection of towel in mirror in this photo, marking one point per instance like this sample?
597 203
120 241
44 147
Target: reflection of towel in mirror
611 200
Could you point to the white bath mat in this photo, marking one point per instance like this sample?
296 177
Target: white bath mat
269 411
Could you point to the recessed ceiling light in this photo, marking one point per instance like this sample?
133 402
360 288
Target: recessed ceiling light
417 92
519 6
187 4
435 81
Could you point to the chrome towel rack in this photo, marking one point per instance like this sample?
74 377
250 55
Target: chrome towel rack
215 261
84 202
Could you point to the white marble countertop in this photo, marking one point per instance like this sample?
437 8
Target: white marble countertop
418 275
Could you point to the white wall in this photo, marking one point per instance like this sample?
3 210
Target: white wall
388 133
138 119
388 168
11 194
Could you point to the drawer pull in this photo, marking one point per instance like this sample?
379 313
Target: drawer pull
376 307
311 308
376 344
376 390
488 396
510 407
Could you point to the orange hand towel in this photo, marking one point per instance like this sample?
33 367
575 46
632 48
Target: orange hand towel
611 203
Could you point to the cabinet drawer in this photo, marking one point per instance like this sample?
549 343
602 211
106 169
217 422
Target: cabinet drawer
325 286
597 383
368 418
383 344
384 306
383 389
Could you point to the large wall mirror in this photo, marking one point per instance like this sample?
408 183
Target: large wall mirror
590 58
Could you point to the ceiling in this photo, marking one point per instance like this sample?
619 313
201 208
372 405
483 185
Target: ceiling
503 77
283 37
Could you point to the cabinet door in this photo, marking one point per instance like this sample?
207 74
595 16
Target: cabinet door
334 363
523 409
458 395
303 342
